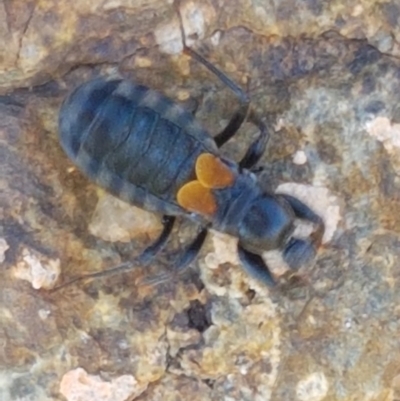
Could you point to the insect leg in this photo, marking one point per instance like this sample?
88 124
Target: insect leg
255 266
300 251
257 148
182 263
233 126
145 257
190 253
302 211
240 115
159 243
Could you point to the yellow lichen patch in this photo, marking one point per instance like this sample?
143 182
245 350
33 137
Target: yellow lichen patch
212 172
195 197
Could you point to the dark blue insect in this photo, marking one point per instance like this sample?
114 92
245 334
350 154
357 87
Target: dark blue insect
152 153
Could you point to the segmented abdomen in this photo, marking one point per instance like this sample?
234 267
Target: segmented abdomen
133 141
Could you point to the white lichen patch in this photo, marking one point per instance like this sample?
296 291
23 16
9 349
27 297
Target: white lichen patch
215 38
40 270
225 250
275 262
168 37
3 248
313 388
115 220
195 15
78 385
320 200
300 157
44 313
194 18
107 5
384 131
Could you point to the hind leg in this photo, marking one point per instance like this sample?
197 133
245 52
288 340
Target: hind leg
257 148
150 252
183 262
145 257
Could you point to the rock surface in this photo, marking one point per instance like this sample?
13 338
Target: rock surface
326 74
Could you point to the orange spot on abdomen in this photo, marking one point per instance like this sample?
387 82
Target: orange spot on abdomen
212 172
195 197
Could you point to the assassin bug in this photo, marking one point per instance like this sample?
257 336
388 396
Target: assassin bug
149 151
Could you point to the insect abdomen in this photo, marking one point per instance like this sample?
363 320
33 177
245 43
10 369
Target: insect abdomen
133 141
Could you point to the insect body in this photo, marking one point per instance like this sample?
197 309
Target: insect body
150 152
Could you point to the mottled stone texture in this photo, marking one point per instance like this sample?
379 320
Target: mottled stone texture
327 75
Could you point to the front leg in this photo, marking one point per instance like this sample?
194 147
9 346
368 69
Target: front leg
255 266
299 252
302 211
